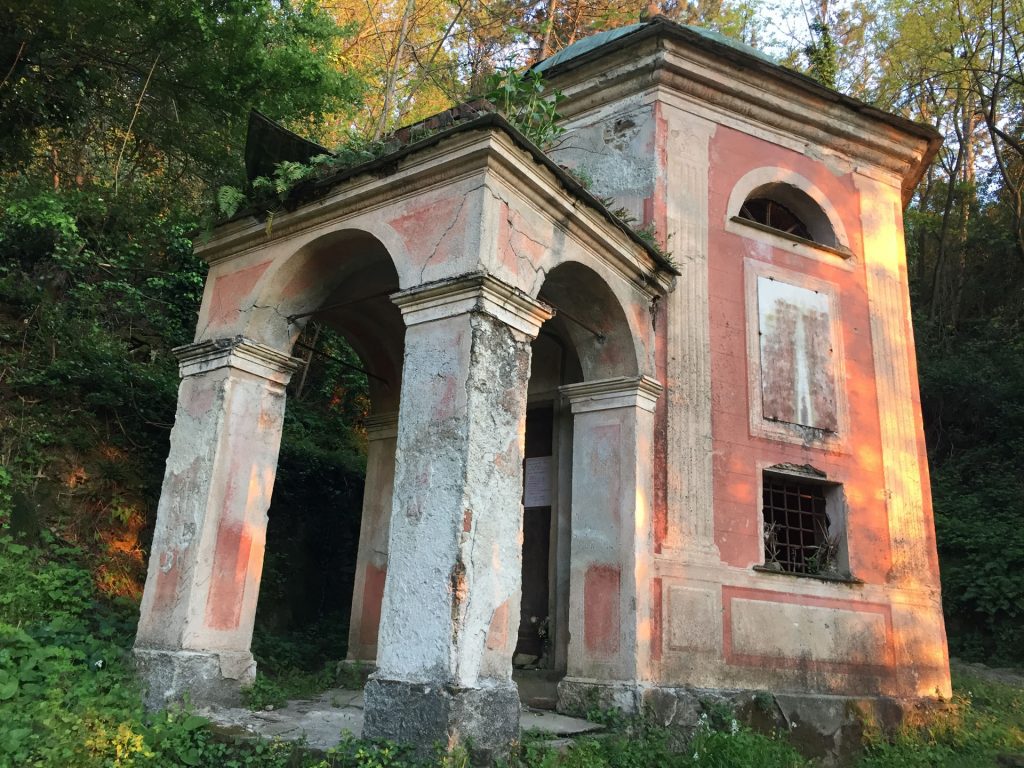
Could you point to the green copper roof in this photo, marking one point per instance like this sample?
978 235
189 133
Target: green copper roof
588 44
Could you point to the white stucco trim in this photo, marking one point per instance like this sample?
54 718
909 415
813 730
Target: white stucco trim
474 292
239 353
620 392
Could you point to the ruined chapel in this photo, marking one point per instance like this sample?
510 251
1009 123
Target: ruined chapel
656 471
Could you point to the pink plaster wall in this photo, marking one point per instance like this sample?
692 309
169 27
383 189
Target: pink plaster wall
738 455
230 292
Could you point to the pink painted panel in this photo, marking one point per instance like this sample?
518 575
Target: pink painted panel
373 595
797 372
230 567
601 587
738 454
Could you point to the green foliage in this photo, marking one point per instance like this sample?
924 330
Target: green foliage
983 721
973 397
264 693
521 98
193 68
637 742
112 133
822 55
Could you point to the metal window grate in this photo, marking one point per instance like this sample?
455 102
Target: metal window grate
795 524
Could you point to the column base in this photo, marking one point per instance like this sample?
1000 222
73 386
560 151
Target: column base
204 677
486 720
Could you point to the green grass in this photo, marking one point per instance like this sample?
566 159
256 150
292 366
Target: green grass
984 720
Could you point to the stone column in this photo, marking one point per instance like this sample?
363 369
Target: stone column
197 612
451 600
372 560
612 538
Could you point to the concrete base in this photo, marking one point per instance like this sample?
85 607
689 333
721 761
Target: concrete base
486 720
207 677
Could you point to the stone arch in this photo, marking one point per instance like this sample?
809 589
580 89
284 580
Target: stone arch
344 280
593 418
591 316
797 193
299 284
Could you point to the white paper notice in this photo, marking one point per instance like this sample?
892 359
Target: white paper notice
537 482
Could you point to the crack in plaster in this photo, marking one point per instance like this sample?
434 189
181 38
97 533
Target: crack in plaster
449 228
537 269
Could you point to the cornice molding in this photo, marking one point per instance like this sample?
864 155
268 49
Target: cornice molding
239 353
758 94
618 392
476 292
486 150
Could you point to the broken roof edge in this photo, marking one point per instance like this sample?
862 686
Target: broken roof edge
312 190
745 56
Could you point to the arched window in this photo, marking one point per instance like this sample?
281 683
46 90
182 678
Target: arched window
790 210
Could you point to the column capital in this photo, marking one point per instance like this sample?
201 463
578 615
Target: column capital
237 352
475 292
381 426
619 392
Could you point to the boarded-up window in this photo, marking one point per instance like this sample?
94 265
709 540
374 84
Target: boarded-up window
797 371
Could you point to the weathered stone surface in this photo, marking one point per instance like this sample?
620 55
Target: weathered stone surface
829 729
484 719
577 697
172 676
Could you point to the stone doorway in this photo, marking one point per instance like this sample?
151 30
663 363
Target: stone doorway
533 646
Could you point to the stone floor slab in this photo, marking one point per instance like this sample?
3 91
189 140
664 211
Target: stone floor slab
322 720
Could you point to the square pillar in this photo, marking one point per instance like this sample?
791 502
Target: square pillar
372 559
612 539
199 603
452 594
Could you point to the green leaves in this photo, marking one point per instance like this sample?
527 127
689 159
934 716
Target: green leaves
520 97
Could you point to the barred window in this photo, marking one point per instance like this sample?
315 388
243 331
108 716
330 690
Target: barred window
800 534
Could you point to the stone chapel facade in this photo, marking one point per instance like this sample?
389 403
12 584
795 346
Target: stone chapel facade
700 473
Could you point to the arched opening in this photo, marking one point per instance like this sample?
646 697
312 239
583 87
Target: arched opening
588 339
328 518
790 210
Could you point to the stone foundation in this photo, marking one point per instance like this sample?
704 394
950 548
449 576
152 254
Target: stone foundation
577 696
828 728
486 720
210 677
